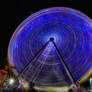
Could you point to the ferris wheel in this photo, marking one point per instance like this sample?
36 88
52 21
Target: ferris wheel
53 47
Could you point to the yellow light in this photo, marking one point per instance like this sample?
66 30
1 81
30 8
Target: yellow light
11 81
86 77
26 85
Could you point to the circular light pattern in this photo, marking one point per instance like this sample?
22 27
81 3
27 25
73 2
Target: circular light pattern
71 31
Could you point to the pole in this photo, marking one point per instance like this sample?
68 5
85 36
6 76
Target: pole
65 65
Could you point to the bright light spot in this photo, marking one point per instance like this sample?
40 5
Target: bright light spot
11 81
90 81
26 85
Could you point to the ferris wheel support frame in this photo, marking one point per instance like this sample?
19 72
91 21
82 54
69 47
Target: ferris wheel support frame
61 59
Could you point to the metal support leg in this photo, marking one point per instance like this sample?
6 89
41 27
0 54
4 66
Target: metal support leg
65 65
31 60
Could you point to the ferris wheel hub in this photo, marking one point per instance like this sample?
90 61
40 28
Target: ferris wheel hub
51 39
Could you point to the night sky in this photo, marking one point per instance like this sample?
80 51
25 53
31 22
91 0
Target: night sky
13 12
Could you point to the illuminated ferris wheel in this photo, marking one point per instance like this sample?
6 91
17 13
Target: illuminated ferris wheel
53 47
